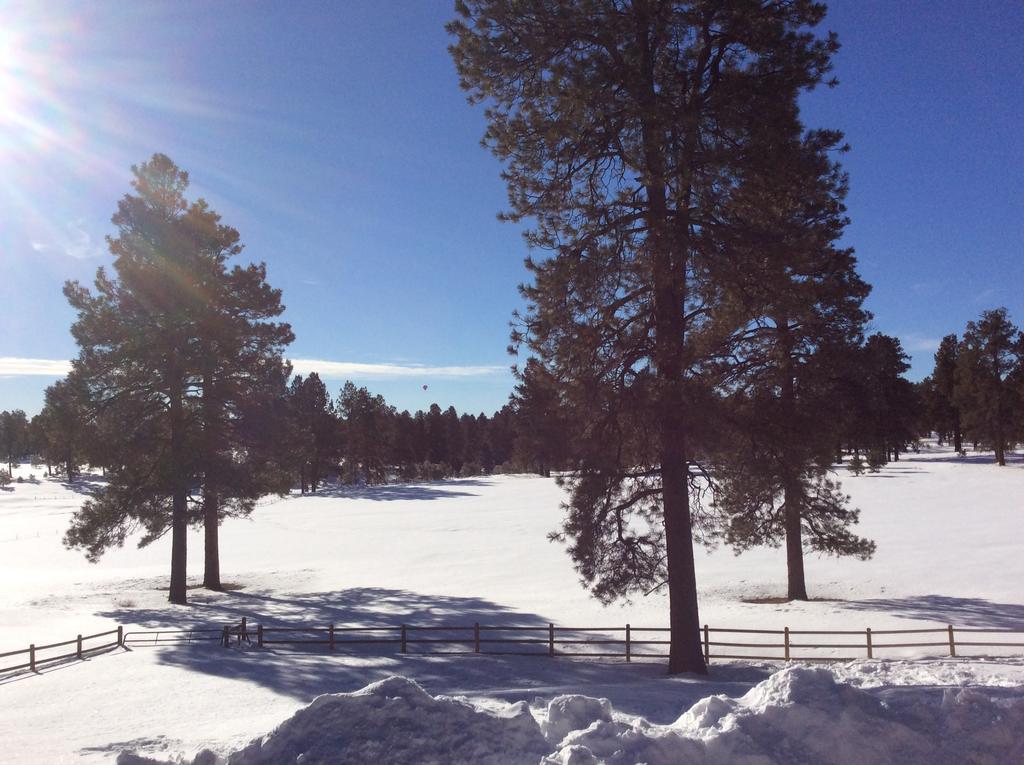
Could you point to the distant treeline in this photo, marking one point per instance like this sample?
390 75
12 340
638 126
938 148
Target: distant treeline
354 438
357 437
975 395
976 392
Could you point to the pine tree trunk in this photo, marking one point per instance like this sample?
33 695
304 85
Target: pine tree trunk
211 520
796 582
179 496
789 466
685 654
668 247
958 436
684 621
211 501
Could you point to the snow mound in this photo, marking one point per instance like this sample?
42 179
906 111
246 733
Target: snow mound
798 715
566 714
393 721
802 715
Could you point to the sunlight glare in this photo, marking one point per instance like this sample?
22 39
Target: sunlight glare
9 75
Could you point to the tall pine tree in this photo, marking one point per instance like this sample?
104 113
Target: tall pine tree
173 348
619 123
803 297
13 437
989 373
944 411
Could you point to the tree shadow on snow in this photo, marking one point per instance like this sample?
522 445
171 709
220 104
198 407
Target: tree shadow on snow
960 612
399 491
971 459
86 483
641 687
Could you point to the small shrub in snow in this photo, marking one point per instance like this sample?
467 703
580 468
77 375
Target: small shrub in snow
875 460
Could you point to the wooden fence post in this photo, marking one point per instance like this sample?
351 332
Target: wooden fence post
225 638
870 651
242 633
120 636
404 640
628 658
259 635
551 639
707 644
476 637
330 636
952 641
79 647
32 657
785 641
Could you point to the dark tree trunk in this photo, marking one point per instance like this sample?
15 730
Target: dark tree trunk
668 244
179 496
211 500
685 649
958 436
796 582
211 521
792 494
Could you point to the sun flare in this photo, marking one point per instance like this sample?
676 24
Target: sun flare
9 76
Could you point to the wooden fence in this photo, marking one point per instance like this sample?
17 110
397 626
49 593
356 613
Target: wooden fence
626 642
41 655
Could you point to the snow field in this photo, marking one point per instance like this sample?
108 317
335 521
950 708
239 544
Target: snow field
460 551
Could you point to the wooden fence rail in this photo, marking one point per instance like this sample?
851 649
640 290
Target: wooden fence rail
35 660
626 642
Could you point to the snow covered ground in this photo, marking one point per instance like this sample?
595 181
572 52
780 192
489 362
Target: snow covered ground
948 531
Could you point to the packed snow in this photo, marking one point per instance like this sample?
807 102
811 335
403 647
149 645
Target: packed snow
797 715
474 550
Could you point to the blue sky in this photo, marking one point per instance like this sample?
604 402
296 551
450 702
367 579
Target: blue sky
334 137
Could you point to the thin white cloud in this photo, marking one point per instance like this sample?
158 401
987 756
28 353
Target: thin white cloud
11 366
338 369
920 343
73 241
79 243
